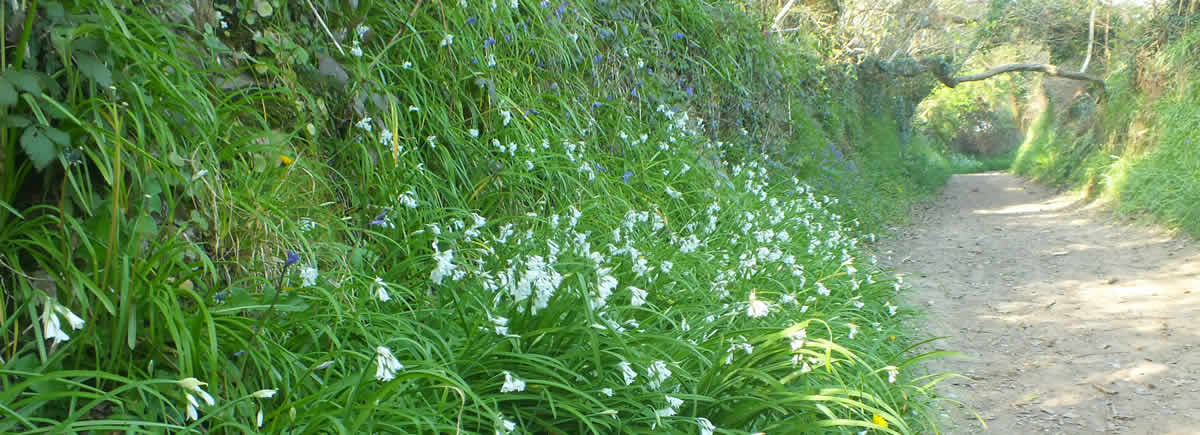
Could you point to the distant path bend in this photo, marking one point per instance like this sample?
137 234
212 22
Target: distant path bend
1075 323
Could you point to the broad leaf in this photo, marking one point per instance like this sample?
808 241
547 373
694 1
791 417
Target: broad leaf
8 94
25 81
40 149
94 69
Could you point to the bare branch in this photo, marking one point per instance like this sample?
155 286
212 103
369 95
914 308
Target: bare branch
1019 67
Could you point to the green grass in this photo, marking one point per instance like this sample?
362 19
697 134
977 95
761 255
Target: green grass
1138 152
622 226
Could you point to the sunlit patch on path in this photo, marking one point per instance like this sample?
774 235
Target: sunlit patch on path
1076 322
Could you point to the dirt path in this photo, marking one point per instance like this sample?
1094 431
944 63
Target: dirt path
1074 323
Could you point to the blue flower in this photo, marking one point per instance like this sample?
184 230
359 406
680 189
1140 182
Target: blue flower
598 58
508 38
380 219
678 35
625 177
470 20
689 91
633 92
488 42
292 258
599 168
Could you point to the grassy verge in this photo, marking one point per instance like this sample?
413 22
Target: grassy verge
497 217
1138 150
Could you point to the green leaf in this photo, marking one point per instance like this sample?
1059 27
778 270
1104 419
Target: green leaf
25 81
38 147
8 94
94 69
58 136
263 8
15 121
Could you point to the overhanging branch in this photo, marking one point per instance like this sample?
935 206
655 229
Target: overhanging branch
909 67
1047 69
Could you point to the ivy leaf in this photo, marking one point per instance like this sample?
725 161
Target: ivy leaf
94 69
40 149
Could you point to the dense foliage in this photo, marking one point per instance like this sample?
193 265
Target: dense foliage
433 217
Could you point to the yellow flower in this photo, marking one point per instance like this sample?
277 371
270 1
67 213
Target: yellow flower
285 161
878 419
892 337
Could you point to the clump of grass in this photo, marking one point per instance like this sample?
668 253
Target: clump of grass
527 217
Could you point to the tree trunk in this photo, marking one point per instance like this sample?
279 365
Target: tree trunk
1091 38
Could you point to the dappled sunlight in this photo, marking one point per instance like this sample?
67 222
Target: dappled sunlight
1070 319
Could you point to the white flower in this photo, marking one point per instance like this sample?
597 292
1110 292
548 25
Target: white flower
821 290
445 265
192 385
500 325
706 427
507 116
853 330
356 50
757 308
258 419
474 132
380 290
511 383
361 30
388 365
308 276
512 4
406 65
666 266
673 193
606 391
432 141
573 36
191 407
528 165
364 124
689 244
264 394
447 40
797 338
665 412
657 373
491 60
409 199
605 285
51 325
674 402
893 371
412 109
627 372
787 299
639 296
385 136
506 426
